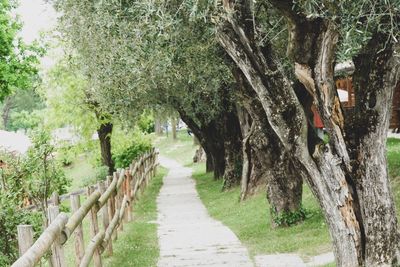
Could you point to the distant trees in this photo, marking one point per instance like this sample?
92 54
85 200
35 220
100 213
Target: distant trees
18 62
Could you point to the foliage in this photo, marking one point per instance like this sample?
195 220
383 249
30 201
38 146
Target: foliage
26 178
17 106
25 120
44 176
12 215
288 218
65 92
126 156
146 123
157 56
66 155
18 62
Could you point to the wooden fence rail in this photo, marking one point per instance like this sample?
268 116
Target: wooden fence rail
112 200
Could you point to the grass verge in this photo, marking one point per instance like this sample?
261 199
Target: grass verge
137 246
250 220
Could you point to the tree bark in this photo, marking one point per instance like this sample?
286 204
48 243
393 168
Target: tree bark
173 126
158 126
104 132
270 163
208 137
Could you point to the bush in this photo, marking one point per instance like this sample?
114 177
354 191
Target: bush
146 123
25 120
34 177
126 156
12 215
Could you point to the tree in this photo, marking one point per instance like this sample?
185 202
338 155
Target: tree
71 102
348 175
162 56
18 62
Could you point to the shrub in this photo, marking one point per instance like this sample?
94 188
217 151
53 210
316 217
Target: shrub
126 156
146 123
65 155
12 215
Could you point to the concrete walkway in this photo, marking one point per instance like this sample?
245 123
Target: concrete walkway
188 236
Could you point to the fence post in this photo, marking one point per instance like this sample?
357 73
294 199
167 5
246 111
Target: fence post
120 195
78 233
57 250
25 238
128 210
104 211
55 199
115 204
94 229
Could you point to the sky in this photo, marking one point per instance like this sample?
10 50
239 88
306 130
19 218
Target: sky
37 16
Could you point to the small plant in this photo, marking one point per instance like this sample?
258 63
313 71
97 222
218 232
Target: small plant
288 218
65 155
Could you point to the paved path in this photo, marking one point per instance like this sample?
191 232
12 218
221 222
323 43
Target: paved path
188 236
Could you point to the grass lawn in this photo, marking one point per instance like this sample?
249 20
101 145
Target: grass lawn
78 171
250 220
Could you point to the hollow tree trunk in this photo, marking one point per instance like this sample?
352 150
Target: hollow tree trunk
374 82
104 132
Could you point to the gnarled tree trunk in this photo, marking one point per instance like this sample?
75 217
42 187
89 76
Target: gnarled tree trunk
270 162
348 175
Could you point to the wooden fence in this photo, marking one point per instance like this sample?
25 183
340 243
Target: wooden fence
110 200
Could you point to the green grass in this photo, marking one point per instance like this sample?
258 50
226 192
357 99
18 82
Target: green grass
138 243
78 171
393 156
250 220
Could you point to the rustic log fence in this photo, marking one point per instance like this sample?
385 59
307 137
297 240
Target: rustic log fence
111 200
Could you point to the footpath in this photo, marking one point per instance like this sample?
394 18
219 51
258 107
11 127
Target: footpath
188 236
